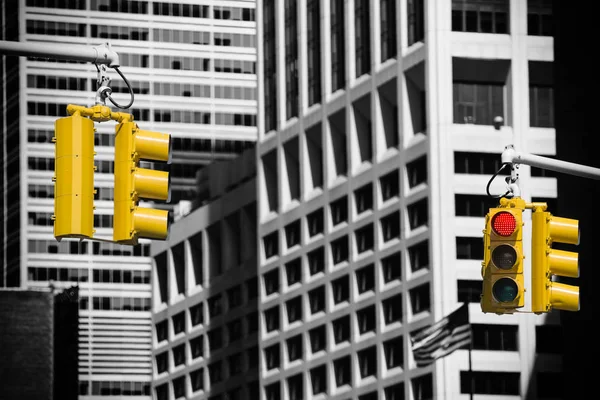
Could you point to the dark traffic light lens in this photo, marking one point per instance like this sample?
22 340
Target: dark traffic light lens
505 290
504 256
504 223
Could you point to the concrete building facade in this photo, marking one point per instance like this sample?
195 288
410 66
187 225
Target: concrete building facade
192 68
376 144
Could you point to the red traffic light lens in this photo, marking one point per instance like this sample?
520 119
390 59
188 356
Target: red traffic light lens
504 223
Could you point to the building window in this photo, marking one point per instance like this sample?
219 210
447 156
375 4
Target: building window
197 379
495 337
313 39
271 243
271 280
179 323
251 288
342 371
179 355
314 221
539 18
294 309
272 357
162 392
365 279
390 226
293 271
422 387
478 103
391 268
394 353
162 330
197 347
363 198
215 307
394 392
339 250
292 234
420 298
392 309
418 255
316 299
291 58
235 331
541 106
339 211
469 291
388 29
294 347
272 319
416 171
418 213
364 238
483 16
252 322
273 391
318 379
416 21
469 248
215 373
234 297
362 37
270 65
546 384
316 261
490 382
215 339
478 163
338 54
296 387
162 362
318 339
366 318
341 289
473 205
390 182
367 362
341 329
197 314
179 387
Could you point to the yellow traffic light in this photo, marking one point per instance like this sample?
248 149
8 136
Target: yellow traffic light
502 267
133 183
546 261
74 177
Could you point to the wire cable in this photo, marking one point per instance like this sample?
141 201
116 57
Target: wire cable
487 188
128 86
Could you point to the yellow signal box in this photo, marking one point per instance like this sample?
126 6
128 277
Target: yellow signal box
502 268
546 262
133 183
74 177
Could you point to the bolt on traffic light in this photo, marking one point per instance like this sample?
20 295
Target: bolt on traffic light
546 262
74 177
502 267
133 183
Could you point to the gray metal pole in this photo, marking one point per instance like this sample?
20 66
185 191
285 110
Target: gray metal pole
511 156
101 54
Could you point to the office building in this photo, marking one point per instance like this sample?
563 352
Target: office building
376 144
205 291
192 69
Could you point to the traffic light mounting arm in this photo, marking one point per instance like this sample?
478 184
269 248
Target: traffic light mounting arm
101 54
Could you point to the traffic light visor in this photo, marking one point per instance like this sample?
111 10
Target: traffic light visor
504 223
505 290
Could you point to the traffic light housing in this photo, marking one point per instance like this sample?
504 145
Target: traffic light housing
74 177
502 268
546 262
133 183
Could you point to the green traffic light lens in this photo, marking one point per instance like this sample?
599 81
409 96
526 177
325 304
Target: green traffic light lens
505 290
504 256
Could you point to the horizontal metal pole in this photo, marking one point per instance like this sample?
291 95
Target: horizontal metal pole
510 155
101 54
